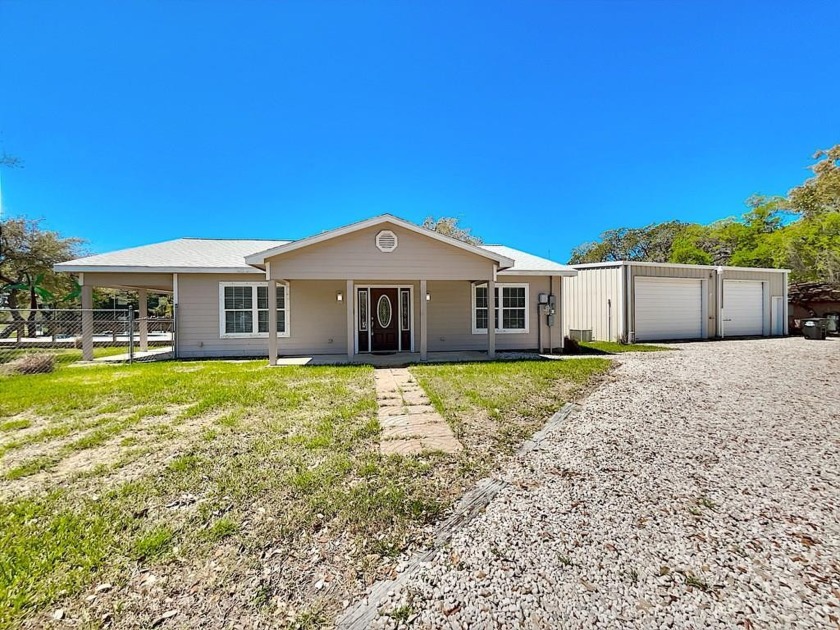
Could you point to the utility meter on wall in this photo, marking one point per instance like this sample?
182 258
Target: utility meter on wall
549 307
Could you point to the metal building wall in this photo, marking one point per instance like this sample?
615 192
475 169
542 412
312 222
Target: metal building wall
776 286
593 300
586 297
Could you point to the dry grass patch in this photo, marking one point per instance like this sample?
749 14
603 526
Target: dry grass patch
492 407
234 493
41 363
257 478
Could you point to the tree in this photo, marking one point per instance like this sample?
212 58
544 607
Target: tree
163 307
800 232
651 243
810 248
688 246
745 241
27 255
448 226
821 193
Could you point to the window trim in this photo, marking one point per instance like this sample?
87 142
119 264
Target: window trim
500 286
254 311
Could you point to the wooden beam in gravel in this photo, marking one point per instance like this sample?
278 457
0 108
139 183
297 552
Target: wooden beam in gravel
471 505
555 421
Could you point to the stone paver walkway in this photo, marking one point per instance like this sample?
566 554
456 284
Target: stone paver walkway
410 424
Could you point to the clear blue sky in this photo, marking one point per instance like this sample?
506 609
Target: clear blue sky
539 125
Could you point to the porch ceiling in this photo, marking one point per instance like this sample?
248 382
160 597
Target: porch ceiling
160 282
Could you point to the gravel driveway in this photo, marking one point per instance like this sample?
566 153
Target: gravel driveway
696 488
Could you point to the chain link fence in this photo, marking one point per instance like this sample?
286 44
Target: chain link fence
70 335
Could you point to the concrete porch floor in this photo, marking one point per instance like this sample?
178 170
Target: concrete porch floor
162 353
401 359
397 359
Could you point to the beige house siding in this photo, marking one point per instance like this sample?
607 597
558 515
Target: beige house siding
450 317
593 301
315 318
355 257
318 324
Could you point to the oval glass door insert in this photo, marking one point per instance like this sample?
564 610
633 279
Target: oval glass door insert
383 311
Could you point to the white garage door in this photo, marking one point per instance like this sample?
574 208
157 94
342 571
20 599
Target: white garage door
743 308
668 308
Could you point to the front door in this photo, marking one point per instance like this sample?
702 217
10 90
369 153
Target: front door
384 316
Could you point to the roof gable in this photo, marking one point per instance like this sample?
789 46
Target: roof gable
259 258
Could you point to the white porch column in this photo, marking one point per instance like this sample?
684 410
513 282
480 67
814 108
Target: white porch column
272 322
87 322
491 318
143 314
424 328
350 300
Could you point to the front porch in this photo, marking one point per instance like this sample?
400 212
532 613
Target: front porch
386 322
398 359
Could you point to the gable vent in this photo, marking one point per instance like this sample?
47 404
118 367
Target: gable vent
386 241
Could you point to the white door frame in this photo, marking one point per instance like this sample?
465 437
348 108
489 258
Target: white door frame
411 320
765 305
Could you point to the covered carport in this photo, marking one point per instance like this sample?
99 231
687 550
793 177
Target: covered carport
140 283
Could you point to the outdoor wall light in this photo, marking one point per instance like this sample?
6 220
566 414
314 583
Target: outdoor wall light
428 296
339 296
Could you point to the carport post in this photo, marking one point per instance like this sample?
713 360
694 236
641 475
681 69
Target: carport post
272 322
87 322
143 313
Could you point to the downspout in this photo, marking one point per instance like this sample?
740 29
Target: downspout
550 292
628 331
719 295
539 329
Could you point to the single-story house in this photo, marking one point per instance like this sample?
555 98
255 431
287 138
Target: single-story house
644 301
380 285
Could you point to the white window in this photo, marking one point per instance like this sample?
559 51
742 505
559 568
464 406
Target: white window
243 309
511 314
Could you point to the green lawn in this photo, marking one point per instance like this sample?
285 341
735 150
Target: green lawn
612 347
168 466
493 407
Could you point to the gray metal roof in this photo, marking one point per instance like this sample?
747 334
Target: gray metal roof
180 255
207 255
526 263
